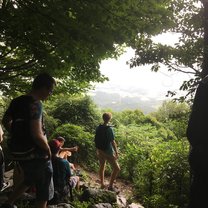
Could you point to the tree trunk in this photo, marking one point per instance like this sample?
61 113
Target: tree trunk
205 23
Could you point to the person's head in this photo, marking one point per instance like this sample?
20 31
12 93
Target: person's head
107 117
55 146
43 84
61 140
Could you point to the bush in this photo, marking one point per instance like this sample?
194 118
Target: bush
79 110
76 135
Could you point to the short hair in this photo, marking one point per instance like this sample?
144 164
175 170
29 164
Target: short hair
43 80
55 146
107 116
60 139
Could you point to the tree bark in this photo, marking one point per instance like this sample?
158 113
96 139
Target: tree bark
205 24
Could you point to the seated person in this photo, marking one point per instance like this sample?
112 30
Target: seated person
70 149
64 154
74 170
61 171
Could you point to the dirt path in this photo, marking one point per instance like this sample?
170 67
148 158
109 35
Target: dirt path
125 188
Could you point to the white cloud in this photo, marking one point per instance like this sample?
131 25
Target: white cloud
140 81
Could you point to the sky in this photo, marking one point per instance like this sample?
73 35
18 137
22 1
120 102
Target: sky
140 81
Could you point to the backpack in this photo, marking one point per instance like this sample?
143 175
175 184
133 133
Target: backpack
21 144
101 139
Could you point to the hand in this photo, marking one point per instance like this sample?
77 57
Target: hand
49 155
75 149
116 155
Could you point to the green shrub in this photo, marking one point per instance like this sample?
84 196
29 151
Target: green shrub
77 136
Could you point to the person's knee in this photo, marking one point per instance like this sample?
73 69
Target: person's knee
102 165
117 168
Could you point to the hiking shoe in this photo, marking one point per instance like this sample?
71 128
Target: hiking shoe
5 185
8 206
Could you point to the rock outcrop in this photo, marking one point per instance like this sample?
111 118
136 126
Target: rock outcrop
98 198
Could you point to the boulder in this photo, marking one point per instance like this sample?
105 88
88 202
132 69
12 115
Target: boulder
102 205
62 205
98 196
134 205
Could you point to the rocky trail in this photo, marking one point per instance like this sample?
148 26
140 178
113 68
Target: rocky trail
124 187
91 181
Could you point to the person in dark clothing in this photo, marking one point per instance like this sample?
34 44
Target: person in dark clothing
197 134
62 175
3 184
24 121
107 150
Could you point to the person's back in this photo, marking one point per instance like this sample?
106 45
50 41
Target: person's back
61 175
23 120
106 150
102 138
21 142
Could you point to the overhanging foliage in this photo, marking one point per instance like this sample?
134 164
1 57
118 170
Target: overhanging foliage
189 54
69 38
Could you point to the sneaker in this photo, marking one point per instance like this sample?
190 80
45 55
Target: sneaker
5 185
8 206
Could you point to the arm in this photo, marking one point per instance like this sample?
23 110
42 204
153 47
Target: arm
113 142
71 149
36 128
1 134
115 148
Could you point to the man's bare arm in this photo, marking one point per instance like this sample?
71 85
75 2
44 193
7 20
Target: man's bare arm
38 135
36 128
1 134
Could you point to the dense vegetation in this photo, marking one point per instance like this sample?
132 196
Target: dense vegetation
153 148
70 38
189 54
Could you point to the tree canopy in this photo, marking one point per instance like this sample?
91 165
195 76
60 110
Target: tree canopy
70 38
190 54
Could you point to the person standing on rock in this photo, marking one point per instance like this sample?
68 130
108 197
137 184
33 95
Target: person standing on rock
107 150
28 141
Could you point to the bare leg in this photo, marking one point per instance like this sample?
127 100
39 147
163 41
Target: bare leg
115 172
77 187
102 172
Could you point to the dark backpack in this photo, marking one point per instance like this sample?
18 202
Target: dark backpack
101 139
21 144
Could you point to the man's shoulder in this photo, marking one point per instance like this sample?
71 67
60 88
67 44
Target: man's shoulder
102 126
24 99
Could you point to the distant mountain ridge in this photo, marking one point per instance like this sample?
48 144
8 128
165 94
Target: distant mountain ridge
116 102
